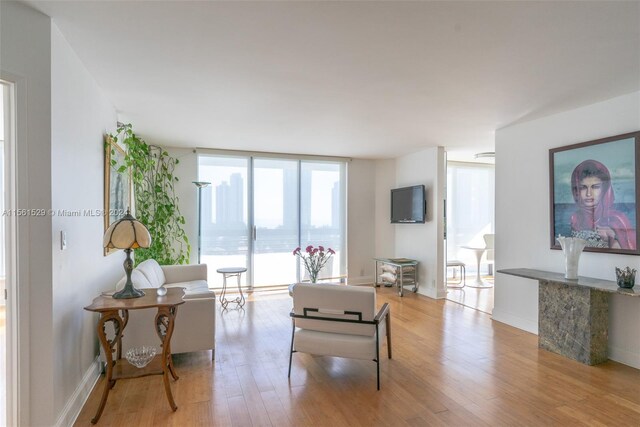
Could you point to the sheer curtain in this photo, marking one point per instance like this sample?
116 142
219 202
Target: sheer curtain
322 211
224 214
470 209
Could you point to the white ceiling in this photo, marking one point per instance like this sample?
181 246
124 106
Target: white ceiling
359 79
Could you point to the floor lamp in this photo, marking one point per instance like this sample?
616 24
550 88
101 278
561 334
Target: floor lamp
200 185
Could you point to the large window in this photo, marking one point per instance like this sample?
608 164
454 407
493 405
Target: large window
223 217
470 209
322 212
257 210
275 219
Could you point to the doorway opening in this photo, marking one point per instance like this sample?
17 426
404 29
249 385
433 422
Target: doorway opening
470 234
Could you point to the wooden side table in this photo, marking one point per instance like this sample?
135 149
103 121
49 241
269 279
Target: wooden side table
116 311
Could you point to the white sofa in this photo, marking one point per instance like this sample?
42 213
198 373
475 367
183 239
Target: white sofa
195 323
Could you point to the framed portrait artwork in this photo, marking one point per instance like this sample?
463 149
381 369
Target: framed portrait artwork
594 192
117 185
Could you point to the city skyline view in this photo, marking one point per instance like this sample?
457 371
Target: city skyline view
274 206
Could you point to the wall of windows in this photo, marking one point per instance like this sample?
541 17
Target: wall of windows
257 210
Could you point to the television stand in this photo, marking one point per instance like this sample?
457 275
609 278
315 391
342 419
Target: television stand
398 272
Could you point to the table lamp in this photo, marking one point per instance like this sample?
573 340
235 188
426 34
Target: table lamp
127 233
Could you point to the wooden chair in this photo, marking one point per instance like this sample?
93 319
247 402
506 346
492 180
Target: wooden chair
339 321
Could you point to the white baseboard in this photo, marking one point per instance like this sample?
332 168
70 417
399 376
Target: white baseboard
80 395
625 357
429 292
368 280
515 321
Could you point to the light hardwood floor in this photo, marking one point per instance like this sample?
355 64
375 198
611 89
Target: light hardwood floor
477 298
451 365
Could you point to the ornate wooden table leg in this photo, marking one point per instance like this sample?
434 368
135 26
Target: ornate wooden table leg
161 333
164 329
108 347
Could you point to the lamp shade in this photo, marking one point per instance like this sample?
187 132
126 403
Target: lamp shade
127 233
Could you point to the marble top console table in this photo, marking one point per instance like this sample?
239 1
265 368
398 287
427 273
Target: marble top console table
573 315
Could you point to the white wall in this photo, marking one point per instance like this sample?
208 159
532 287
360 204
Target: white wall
25 60
385 232
81 115
59 166
424 242
522 217
361 176
186 191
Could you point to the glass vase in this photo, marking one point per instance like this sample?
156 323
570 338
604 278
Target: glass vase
572 248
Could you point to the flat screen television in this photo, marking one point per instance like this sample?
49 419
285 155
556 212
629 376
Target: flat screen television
408 205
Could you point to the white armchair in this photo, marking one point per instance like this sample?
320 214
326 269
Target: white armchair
339 321
195 323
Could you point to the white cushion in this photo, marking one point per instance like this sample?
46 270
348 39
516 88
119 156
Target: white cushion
389 268
152 271
351 298
330 344
193 289
184 273
388 277
139 281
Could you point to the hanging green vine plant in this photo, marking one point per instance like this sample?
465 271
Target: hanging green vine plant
156 204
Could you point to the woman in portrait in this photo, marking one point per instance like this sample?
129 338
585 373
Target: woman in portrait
595 218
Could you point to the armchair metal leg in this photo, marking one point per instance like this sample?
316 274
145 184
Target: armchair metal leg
293 331
387 322
377 357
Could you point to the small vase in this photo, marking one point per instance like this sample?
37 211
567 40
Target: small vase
626 278
572 248
313 277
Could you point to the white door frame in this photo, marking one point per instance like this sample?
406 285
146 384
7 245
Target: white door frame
16 361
